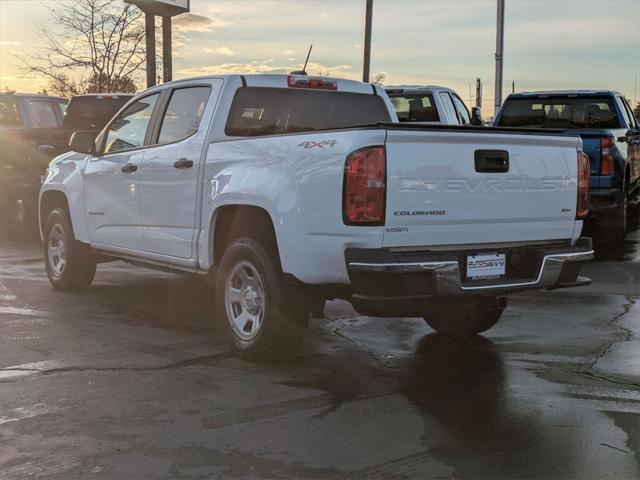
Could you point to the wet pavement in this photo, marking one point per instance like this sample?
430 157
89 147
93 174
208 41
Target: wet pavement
133 380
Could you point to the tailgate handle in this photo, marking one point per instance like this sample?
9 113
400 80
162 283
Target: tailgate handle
492 161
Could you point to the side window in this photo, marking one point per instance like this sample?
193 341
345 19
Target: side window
461 108
184 113
624 112
449 108
129 129
44 114
9 116
632 117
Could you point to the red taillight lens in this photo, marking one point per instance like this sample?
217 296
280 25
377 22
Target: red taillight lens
302 81
582 207
365 187
607 163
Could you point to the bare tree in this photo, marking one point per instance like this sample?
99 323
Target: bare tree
98 42
379 78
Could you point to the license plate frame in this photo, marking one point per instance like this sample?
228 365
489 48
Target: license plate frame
486 265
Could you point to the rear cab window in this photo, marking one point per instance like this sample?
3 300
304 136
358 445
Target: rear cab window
560 112
415 107
257 111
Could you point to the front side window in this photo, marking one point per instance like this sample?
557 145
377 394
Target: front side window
259 111
559 112
129 129
449 108
461 108
415 108
9 116
184 113
44 114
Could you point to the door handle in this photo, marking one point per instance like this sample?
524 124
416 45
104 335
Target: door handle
183 163
129 168
491 161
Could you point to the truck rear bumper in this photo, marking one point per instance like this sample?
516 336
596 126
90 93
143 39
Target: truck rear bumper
390 283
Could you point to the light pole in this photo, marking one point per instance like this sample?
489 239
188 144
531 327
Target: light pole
499 56
367 40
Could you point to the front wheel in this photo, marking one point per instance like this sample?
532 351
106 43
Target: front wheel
263 319
467 317
69 263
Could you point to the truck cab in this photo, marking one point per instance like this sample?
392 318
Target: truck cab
428 105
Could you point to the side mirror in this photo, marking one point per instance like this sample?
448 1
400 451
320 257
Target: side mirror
83 141
476 116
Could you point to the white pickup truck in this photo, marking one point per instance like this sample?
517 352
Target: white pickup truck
288 190
430 105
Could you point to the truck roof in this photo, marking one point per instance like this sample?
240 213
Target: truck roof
279 80
417 88
564 92
32 95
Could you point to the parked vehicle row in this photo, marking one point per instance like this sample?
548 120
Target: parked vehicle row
34 129
285 190
610 134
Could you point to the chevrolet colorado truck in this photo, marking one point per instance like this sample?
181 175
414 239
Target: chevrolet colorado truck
286 190
610 135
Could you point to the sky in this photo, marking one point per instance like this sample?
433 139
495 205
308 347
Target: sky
549 44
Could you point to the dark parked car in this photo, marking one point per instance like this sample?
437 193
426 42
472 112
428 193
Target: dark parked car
36 128
611 137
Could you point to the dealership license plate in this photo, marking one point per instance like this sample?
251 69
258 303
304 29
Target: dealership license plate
486 265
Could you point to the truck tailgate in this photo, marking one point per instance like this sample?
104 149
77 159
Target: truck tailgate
449 187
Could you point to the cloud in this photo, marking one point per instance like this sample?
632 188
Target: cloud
288 52
10 43
249 68
190 22
223 51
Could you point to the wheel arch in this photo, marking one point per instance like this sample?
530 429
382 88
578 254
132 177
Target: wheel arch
233 221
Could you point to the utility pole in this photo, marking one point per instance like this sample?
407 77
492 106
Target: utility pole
513 86
367 40
478 92
167 60
150 50
499 56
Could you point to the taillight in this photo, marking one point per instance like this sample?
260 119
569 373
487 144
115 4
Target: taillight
302 81
607 163
582 207
365 187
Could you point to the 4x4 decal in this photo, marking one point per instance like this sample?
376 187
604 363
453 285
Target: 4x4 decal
322 144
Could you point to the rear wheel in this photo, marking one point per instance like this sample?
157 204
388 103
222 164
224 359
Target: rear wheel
69 263
615 226
263 319
466 317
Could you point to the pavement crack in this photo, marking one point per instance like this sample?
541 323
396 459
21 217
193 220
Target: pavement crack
614 448
628 333
79 368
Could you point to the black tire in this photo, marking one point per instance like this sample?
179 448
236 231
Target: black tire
615 225
79 268
267 321
465 317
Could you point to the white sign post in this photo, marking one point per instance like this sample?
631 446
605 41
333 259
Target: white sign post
166 9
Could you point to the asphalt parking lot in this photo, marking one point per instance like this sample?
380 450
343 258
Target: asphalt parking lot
133 380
